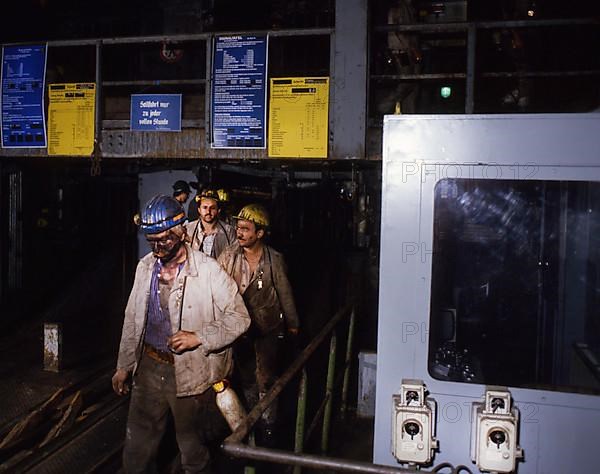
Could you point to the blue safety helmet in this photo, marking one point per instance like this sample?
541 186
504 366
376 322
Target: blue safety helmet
161 213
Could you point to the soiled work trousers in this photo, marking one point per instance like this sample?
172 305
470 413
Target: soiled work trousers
258 362
152 398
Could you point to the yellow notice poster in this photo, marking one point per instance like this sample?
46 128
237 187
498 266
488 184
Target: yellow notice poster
71 119
298 117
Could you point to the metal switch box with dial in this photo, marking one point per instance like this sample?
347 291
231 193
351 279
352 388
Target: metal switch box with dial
413 424
494 445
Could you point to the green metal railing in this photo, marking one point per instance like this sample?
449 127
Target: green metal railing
234 446
297 459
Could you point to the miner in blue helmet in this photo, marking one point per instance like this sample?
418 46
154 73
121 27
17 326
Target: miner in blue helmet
183 313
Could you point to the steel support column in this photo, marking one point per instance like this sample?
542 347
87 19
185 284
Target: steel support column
15 231
97 154
349 79
470 92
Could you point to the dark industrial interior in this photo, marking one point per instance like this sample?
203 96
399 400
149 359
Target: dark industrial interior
69 245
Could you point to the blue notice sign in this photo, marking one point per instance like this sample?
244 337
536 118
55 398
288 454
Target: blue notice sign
238 111
23 74
156 112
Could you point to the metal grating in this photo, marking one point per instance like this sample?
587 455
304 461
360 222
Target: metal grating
85 452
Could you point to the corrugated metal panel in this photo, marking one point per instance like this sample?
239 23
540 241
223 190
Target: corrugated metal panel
189 143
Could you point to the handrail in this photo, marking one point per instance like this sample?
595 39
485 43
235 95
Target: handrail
312 461
234 446
242 431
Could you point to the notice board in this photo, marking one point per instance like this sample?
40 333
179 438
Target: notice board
238 109
22 83
298 117
156 112
71 125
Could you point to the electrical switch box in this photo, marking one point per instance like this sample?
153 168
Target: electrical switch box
413 424
494 437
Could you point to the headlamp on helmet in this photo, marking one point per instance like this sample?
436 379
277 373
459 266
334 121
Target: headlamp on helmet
209 194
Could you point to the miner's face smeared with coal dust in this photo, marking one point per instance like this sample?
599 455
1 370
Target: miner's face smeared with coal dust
247 234
164 245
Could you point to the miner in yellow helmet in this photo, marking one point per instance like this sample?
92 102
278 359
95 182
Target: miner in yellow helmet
209 233
261 275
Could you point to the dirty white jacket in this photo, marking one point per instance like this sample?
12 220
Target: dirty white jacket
212 308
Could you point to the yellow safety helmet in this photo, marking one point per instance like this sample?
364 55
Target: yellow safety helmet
209 193
223 195
254 213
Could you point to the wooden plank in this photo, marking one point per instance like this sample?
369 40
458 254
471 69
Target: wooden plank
67 420
30 424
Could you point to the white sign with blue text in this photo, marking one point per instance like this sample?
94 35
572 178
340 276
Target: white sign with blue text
156 112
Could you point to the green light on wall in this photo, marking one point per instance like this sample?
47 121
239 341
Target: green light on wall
445 92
